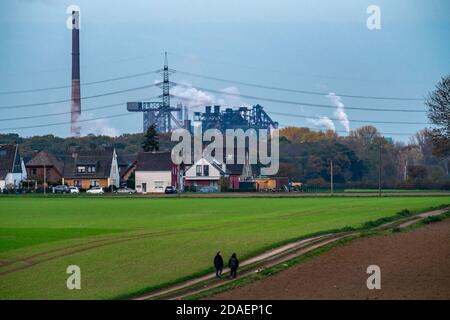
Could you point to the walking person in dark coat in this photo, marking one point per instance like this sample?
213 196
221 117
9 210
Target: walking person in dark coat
218 264
233 264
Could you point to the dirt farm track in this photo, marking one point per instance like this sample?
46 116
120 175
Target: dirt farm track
414 265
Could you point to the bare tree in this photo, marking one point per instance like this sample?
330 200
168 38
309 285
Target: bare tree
424 140
438 103
366 134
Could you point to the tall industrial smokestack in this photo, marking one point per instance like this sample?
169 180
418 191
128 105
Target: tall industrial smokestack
76 101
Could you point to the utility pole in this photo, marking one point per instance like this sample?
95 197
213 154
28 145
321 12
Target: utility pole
45 180
331 175
405 174
379 170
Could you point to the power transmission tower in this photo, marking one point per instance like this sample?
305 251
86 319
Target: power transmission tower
158 113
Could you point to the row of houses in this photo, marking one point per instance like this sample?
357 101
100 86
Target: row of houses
104 167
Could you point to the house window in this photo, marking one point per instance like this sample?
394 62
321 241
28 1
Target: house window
77 183
206 170
144 187
198 170
33 171
91 169
81 169
48 172
95 183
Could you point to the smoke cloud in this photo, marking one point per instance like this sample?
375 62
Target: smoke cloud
323 121
97 127
231 98
191 96
194 98
340 112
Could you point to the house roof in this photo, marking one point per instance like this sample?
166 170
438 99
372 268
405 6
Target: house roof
126 159
8 154
101 158
154 161
126 163
192 175
44 158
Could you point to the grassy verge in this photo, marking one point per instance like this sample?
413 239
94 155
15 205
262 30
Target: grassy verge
423 222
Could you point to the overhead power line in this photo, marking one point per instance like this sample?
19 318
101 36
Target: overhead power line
208 90
82 98
317 117
67 122
297 103
187 99
82 84
295 90
69 112
249 84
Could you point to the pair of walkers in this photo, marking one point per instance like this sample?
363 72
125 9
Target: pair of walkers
233 264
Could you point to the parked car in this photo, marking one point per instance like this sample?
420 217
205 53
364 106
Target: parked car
95 190
62 189
125 191
170 190
74 189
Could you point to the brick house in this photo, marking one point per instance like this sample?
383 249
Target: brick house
44 165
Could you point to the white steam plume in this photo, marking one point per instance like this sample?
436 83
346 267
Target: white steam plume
340 112
323 121
97 127
191 96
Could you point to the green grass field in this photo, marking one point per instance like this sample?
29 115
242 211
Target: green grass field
126 245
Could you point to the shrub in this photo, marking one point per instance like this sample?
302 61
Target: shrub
431 219
404 213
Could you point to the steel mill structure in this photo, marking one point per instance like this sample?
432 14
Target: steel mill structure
241 118
75 107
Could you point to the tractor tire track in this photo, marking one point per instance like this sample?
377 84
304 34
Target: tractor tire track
94 244
104 241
